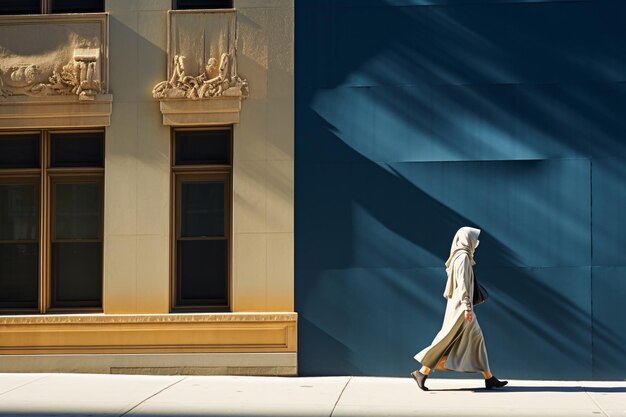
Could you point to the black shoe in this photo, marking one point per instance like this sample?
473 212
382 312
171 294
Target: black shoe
494 382
420 378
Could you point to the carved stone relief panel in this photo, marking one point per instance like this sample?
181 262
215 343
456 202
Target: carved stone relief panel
202 49
53 55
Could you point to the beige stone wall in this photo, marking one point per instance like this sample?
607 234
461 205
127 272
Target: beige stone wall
137 167
264 154
137 171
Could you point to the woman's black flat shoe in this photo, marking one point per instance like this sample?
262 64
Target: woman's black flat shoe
494 382
420 378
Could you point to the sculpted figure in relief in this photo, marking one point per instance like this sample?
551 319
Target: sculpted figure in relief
213 82
76 77
24 75
4 92
88 87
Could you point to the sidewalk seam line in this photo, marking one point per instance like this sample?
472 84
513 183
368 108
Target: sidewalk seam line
24 384
339 397
152 396
594 401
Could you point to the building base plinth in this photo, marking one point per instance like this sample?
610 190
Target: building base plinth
266 364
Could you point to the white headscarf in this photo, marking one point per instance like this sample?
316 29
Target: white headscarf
465 242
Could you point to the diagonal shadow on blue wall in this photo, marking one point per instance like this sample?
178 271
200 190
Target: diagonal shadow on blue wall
414 119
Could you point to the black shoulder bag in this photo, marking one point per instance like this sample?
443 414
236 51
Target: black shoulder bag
480 292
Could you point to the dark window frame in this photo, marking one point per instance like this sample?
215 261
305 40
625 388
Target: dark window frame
63 135
47 7
16 307
18 175
210 173
73 174
37 145
54 305
217 159
219 6
45 176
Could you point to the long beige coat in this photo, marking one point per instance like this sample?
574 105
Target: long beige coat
461 340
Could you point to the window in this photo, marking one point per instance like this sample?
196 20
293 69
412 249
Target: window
75 6
50 6
20 7
201 178
201 4
51 220
19 243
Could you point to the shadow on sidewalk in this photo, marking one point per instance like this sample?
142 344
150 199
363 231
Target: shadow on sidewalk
558 389
601 390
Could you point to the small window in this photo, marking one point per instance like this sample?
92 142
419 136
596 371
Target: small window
16 7
19 211
76 6
201 4
19 151
202 208
19 276
20 7
77 149
76 274
203 147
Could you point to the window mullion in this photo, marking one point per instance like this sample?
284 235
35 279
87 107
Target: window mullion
44 218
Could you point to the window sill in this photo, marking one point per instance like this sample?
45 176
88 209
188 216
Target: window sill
18 112
214 111
101 318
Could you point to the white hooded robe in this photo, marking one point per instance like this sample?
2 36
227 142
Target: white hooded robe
460 340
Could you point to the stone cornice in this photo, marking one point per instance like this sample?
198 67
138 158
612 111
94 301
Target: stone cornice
19 112
73 319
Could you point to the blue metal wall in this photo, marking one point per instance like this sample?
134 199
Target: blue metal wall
414 118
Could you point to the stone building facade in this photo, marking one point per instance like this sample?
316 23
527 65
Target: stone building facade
146 186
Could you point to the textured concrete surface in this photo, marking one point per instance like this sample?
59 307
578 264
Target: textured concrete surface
39 395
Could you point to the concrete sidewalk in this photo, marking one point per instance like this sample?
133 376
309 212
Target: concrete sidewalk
73 395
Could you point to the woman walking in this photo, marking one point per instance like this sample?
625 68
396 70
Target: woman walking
459 345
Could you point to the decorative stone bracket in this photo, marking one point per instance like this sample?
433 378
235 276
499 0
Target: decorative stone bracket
213 96
49 65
